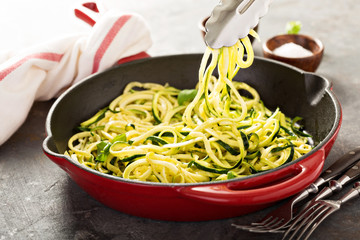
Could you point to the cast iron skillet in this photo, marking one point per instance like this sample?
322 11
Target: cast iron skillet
297 93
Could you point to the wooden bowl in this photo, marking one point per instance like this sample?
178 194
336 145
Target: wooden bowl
203 31
309 63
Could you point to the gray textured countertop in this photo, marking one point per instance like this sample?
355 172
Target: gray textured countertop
39 201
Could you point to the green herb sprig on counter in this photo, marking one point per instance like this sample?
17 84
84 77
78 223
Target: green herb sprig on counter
293 27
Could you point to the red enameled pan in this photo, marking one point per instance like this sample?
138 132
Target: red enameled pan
297 93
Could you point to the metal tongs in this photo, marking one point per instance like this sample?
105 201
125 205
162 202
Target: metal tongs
232 20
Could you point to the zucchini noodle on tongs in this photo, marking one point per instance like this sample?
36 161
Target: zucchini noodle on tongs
220 130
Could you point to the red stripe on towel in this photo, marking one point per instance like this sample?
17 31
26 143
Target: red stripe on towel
55 57
108 40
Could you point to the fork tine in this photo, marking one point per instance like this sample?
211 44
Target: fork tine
271 226
284 225
300 217
255 224
311 219
284 212
252 229
278 227
274 223
334 206
289 215
268 224
306 219
315 221
263 222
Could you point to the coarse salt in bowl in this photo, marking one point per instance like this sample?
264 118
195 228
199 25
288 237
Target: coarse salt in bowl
299 50
292 50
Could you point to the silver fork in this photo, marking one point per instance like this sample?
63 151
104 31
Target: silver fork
334 186
320 210
281 217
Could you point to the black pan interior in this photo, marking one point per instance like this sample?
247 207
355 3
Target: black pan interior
296 93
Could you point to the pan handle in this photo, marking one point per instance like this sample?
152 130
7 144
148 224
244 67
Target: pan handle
307 171
315 87
140 55
50 150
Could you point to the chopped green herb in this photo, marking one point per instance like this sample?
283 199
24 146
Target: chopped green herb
230 175
119 138
293 27
186 95
102 151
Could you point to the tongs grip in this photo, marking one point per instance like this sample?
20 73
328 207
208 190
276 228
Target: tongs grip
232 20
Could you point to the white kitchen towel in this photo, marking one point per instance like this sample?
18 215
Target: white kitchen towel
42 72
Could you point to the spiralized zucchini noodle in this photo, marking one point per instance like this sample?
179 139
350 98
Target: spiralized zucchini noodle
158 133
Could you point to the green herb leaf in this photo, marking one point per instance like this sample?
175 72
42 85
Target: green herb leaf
186 95
230 175
102 151
293 27
119 138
